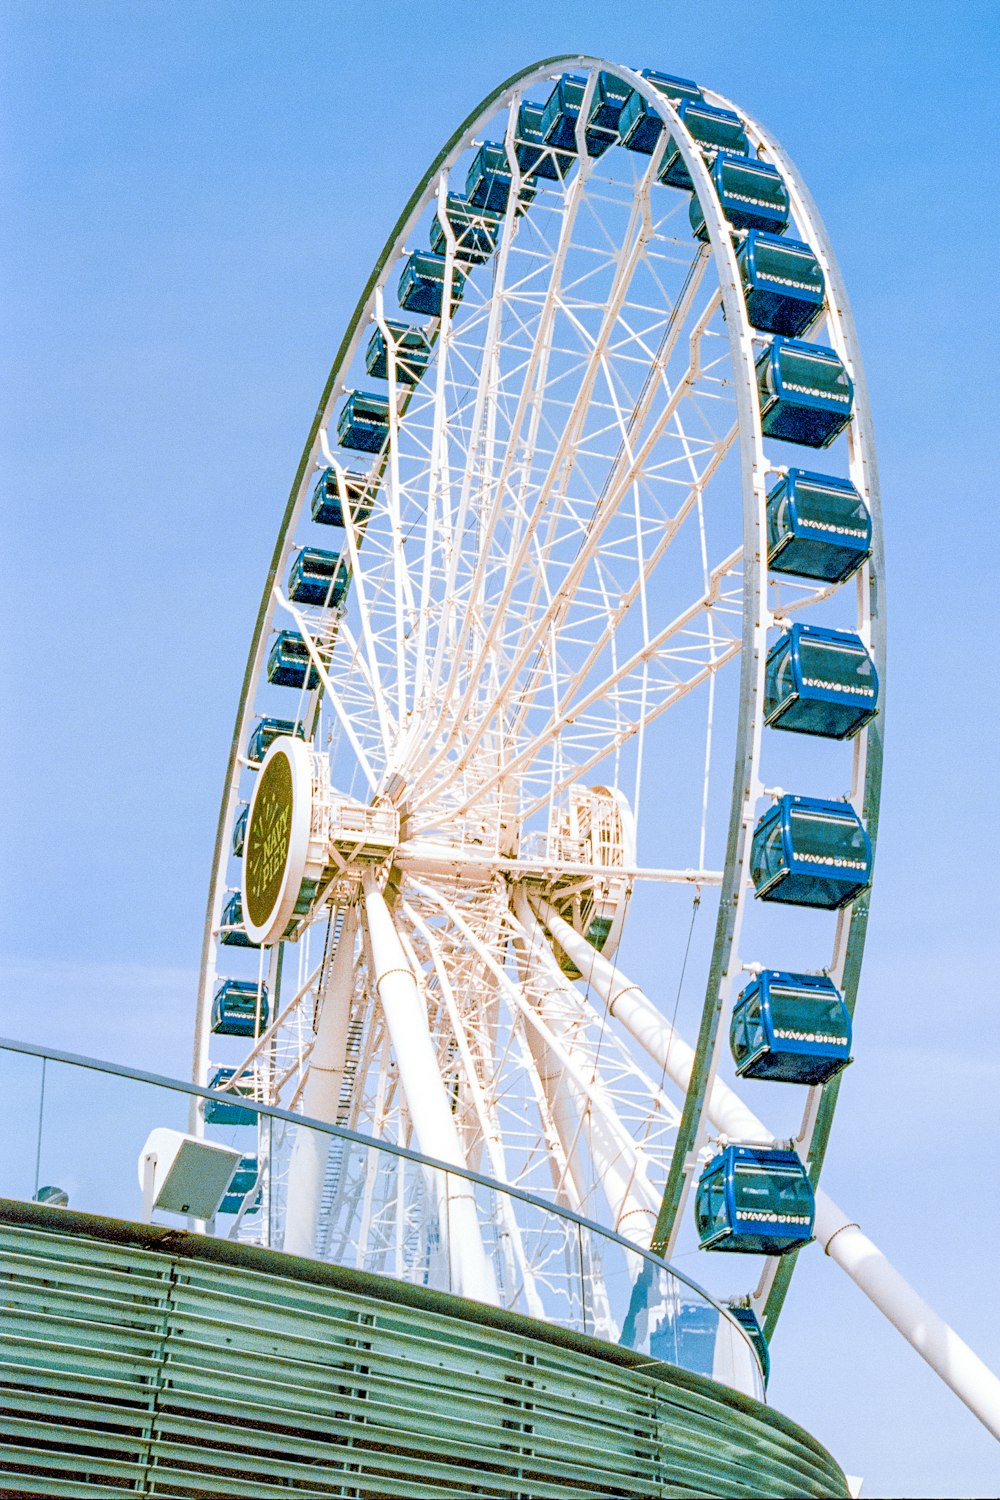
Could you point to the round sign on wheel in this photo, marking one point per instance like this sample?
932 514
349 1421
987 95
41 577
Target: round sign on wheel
277 840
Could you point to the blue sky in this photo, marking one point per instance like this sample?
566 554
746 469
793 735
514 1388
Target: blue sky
195 193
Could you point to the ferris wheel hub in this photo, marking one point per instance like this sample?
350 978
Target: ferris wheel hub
596 828
306 843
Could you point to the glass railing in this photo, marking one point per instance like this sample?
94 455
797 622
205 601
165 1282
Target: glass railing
74 1131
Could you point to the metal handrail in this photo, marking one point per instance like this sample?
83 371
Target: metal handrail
160 1080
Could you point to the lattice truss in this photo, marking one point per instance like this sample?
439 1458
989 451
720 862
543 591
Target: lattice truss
552 563
510 612
546 1094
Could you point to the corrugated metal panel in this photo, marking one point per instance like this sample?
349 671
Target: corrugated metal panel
135 1371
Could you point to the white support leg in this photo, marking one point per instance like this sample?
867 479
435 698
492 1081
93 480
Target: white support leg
512 1243
426 1098
321 1097
631 1197
566 1109
572 1184
948 1355
654 1033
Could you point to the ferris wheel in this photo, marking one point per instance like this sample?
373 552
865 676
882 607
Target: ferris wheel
549 819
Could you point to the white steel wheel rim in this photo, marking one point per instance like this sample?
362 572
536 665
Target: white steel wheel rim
363 715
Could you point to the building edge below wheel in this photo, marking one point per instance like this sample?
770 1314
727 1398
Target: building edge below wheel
149 1359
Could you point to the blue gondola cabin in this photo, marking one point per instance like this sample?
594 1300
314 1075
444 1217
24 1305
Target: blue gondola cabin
474 230
806 395
747 1318
318 578
561 112
806 852
783 283
226 1110
752 195
363 423
712 130
240 831
328 510
411 348
639 126
289 664
231 930
487 185
421 286
265 732
606 105
820 682
817 527
756 1200
790 1028
535 158
243 1183
236 1009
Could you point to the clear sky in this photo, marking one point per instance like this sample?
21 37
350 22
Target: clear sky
195 191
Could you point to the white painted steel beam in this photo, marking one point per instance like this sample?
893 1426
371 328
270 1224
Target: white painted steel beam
577 1073
511 1240
577 707
617 486
622 1172
534 380
842 1239
564 456
321 1097
473 863
426 1099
